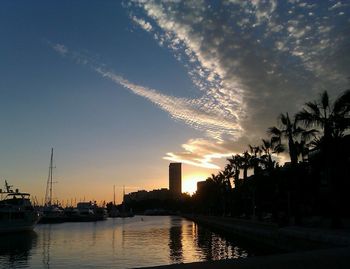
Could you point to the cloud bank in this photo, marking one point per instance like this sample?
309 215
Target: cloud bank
250 60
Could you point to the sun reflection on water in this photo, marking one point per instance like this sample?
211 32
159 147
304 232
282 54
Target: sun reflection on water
118 243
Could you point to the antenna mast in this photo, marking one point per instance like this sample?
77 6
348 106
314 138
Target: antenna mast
113 194
123 192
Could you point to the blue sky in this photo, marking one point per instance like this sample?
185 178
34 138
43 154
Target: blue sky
120 89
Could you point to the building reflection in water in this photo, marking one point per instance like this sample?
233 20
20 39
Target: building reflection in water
175 240
116 243
189 242
15 249
215 247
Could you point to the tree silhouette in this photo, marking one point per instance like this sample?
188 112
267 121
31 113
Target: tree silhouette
268 148
288 130
333 119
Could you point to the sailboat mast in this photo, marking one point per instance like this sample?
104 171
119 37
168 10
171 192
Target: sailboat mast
48 193
51 173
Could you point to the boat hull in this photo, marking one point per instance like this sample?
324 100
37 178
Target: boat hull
15 225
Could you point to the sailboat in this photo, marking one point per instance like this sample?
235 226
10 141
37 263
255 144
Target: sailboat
51 213
114 212
124 212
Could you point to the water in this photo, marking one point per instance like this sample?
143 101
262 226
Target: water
116 243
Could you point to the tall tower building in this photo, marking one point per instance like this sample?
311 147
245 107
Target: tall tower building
175 179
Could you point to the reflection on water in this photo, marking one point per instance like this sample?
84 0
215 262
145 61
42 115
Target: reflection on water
216 247
116 243
15 249
175 240
46 245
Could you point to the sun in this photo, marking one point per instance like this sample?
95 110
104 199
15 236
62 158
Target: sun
189 182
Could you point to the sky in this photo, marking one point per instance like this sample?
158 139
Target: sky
120 89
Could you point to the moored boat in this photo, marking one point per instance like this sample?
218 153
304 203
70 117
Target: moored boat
86 211
17 213
51 213
123 212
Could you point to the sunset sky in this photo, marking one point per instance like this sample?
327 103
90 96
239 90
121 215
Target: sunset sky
120 89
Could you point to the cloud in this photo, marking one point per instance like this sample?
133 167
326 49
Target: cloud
205 153
250 60
211 113
199 113
253 60
142 23
61 49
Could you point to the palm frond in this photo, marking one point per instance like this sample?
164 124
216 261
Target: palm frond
325 100
275 140
308 134
274 131
284 119
279 149
266 143
314 108
308 118
342 104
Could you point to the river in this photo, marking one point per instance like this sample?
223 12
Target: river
117 243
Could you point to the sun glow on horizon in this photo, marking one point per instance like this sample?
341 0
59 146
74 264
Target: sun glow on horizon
189 182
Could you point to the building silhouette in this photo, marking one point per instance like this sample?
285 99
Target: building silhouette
175 179
142 195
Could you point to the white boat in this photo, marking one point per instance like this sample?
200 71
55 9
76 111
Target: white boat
16 211
86 211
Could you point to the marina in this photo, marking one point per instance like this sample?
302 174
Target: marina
117 243
186 134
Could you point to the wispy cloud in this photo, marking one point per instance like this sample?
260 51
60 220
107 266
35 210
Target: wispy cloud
142 23
204 152
250 61
61 49
206 113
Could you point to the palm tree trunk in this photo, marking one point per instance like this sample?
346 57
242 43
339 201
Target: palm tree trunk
245 173
292 151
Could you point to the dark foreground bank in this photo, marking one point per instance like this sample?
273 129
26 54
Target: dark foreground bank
338 258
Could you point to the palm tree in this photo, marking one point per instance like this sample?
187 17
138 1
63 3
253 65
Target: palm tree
246 163
268 148
288 130
235 163
303 146
228 173
255 153
333 119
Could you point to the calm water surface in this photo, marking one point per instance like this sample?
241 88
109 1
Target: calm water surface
116 243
